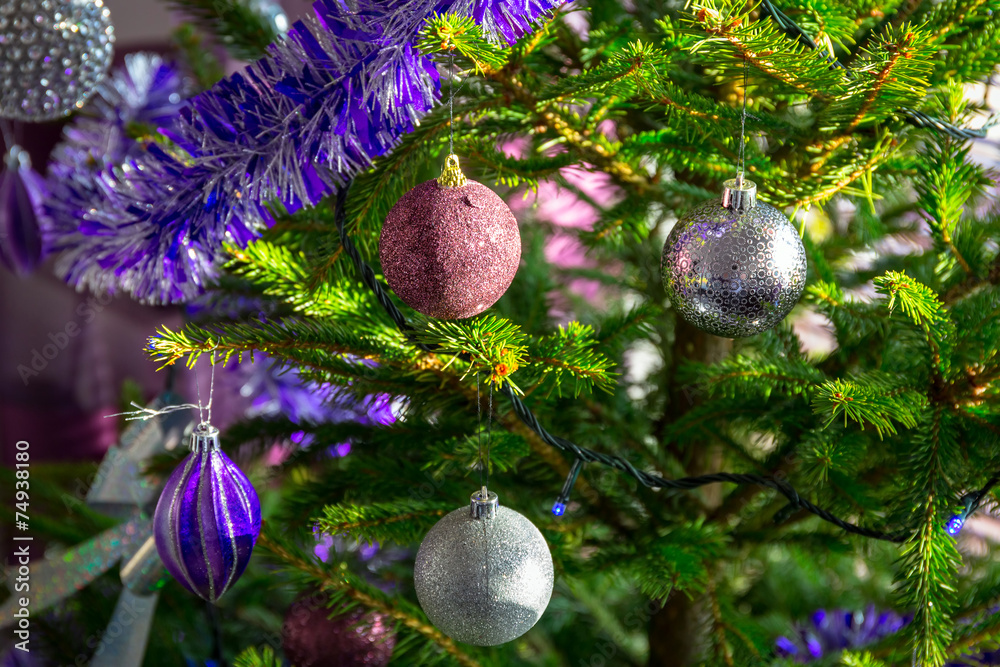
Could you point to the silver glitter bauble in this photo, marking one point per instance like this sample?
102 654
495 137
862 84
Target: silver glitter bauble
734 268
483 574
53 54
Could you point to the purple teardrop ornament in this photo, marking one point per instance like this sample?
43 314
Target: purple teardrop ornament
207 519
22 198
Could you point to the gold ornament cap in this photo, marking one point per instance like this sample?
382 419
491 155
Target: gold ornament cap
451 176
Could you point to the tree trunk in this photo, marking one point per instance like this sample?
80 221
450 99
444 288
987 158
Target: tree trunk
678 632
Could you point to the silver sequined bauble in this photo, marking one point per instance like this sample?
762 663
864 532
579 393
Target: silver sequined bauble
734 268
486 579
53 54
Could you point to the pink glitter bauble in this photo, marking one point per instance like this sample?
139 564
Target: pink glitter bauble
353 639
450 252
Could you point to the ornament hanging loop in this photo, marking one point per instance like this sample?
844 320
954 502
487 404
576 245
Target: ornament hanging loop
741 163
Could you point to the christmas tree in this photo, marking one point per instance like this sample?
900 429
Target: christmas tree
796 495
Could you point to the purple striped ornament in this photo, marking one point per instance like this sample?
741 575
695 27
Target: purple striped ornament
207 519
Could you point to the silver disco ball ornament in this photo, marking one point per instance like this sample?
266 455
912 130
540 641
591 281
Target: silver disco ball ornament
53 55
483 573
734 268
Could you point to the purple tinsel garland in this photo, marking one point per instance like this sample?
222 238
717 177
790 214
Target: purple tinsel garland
147 91
341 89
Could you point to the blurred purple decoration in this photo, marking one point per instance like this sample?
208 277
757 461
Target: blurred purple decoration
317 635
836 630
17 658
339 90
145 94
22 213
830 632
277 390
207 520
324 542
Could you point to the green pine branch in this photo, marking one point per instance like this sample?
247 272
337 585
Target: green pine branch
570 352
760 378
258 657
892 74
454 34
928 566
239 25
729 36
497 347
868 404
401 522
921 305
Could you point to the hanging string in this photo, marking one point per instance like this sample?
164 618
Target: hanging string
451 108
479 433
589 455
211 387
489 438
201 409
144 412
741 159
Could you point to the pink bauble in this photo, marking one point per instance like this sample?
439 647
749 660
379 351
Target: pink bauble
450 252
356 638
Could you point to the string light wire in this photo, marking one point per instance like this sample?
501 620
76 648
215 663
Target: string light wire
586 455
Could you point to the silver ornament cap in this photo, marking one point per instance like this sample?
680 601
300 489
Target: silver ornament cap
483 573
734 267
739 194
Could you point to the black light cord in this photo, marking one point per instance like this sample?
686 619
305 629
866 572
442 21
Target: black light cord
582 454
911 116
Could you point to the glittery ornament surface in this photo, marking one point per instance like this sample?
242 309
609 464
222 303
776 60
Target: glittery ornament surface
358 638
484 581
207 520
53 54
733 273
450 252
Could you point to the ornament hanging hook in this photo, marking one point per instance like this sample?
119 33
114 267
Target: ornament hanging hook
484 462
451 104
741 159
740 194
451 176
143 412
479 433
